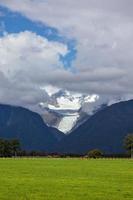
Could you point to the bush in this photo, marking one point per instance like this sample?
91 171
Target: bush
95 153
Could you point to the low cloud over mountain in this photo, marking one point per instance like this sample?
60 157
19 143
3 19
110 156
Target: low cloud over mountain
87 49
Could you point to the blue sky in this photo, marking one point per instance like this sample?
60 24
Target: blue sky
14 22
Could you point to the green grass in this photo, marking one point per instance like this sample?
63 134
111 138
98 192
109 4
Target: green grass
66 179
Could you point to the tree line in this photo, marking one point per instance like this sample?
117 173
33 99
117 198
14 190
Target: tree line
12 148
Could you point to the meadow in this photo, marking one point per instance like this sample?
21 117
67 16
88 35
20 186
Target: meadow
66 179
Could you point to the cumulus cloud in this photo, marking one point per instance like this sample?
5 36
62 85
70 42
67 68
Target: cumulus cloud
26 60
103 31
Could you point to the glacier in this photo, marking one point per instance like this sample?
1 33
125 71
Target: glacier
64 109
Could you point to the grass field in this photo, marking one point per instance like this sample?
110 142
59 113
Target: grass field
66 179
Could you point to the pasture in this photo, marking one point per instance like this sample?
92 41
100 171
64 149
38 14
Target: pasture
66 179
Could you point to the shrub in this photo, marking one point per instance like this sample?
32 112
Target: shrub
95 153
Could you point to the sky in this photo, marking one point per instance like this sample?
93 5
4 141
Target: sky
83 46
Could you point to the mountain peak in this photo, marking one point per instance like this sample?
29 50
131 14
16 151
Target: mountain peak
66 108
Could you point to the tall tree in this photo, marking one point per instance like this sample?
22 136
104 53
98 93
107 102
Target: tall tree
15 146
2 148
7 148
128 143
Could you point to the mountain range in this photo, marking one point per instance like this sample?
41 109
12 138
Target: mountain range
105 130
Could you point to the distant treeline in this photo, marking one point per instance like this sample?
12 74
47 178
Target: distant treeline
24 153
12 148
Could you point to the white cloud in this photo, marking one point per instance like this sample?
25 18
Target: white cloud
26 60
103 31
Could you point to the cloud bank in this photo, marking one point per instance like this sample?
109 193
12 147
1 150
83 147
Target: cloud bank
103 31
27 63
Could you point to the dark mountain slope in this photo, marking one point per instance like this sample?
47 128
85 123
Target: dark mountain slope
27 126
104 130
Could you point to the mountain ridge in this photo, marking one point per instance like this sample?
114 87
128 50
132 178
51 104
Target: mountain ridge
27 126
104 130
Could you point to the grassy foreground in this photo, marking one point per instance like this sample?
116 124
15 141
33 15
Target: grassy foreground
66 179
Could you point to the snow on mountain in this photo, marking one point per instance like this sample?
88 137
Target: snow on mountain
67 123
64 109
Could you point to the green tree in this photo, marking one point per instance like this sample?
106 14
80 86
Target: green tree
7 149
128 143
15 146
2 148
95 153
